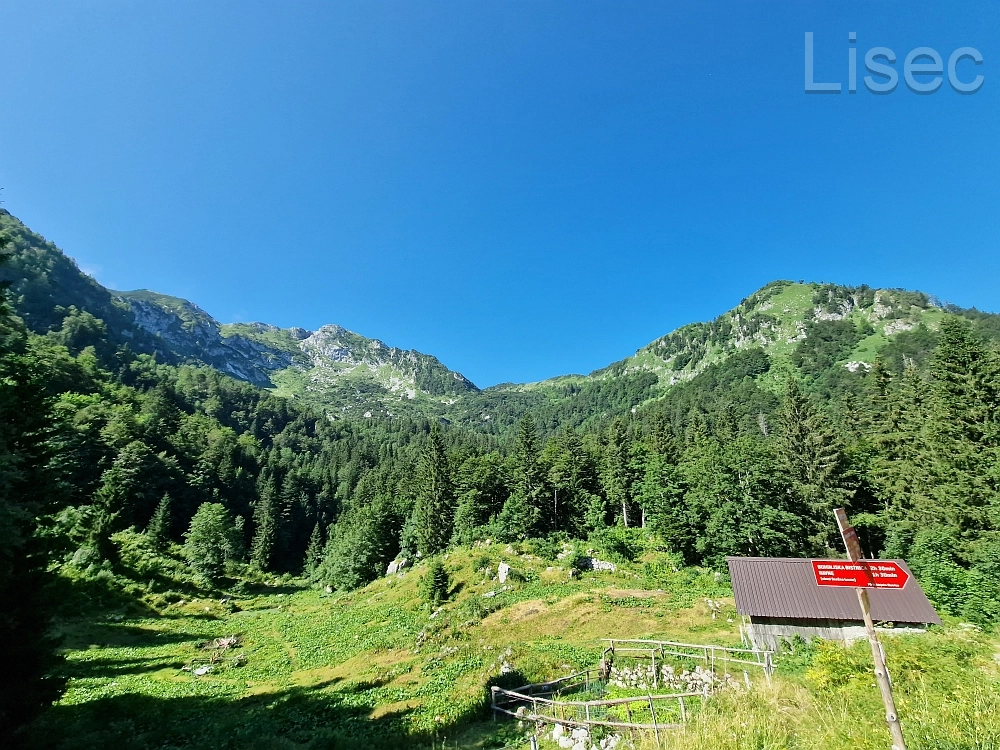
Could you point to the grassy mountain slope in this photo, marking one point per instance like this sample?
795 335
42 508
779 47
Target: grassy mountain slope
824 332
45 284
379 668
780 316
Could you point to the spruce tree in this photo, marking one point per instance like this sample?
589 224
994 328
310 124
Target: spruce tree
211 540
571 482
528 473
158 531
519 519
123 491
617 477
959 453
434 510
661 495
811 454
595 517
466 519
265 517
435 583
898 468
314 551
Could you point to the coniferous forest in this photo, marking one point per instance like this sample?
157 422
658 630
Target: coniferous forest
123 468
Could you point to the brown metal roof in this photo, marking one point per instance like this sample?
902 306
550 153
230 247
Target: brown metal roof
786 587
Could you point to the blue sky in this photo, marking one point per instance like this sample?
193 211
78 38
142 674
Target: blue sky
523 189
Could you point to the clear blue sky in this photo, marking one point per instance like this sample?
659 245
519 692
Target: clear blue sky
523 189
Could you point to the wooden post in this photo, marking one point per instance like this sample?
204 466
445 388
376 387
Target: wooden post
684 717
850 538
652 712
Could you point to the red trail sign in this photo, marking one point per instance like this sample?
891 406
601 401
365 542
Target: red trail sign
869 574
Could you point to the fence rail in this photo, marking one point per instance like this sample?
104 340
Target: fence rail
556 686
533 708
710 654
541 703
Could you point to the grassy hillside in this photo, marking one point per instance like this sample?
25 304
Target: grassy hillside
378 667
827 333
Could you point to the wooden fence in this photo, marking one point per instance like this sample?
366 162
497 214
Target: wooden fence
542 703
712 656
637 712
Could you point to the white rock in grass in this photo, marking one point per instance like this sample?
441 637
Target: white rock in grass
502 572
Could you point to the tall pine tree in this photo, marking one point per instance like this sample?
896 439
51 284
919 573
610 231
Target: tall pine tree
314 552
617 476
961 450
265 517
434 510
810 453
158 531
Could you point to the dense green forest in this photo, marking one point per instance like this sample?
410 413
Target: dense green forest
118 461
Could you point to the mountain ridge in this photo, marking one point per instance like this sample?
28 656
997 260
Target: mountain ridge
830 331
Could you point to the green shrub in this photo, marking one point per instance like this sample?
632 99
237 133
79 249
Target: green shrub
546 548
435 584
621 545
136 552
357 550
481 562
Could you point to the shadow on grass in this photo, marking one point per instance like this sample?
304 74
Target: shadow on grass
111 668
305 718
81 596
111 635
261 589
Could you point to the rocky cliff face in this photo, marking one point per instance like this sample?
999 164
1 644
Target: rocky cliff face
325 359
187 331
397 370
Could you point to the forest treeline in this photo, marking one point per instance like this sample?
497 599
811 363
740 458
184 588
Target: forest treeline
108 456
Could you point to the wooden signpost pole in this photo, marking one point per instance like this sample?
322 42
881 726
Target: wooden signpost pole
850 538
